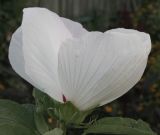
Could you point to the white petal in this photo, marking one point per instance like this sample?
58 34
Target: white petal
75 28
43 33
144 37
99 68
16 55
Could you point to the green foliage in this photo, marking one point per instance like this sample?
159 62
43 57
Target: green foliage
27 119
68 113
56 131
64 112
40 122
15 129
16 119
118 125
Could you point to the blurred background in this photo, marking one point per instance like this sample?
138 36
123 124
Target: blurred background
143 101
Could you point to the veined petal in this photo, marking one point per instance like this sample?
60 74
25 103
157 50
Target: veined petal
43 33
100 67
75 28
144 37
16 54
74 59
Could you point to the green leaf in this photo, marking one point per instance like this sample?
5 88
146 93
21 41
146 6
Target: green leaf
40 122
16 119
118 125
15 129
56 131
30 108
42 103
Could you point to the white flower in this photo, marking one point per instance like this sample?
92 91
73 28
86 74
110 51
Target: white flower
59 57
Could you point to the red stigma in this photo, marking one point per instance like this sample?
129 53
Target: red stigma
64 98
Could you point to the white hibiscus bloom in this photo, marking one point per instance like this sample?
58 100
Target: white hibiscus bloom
60 57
